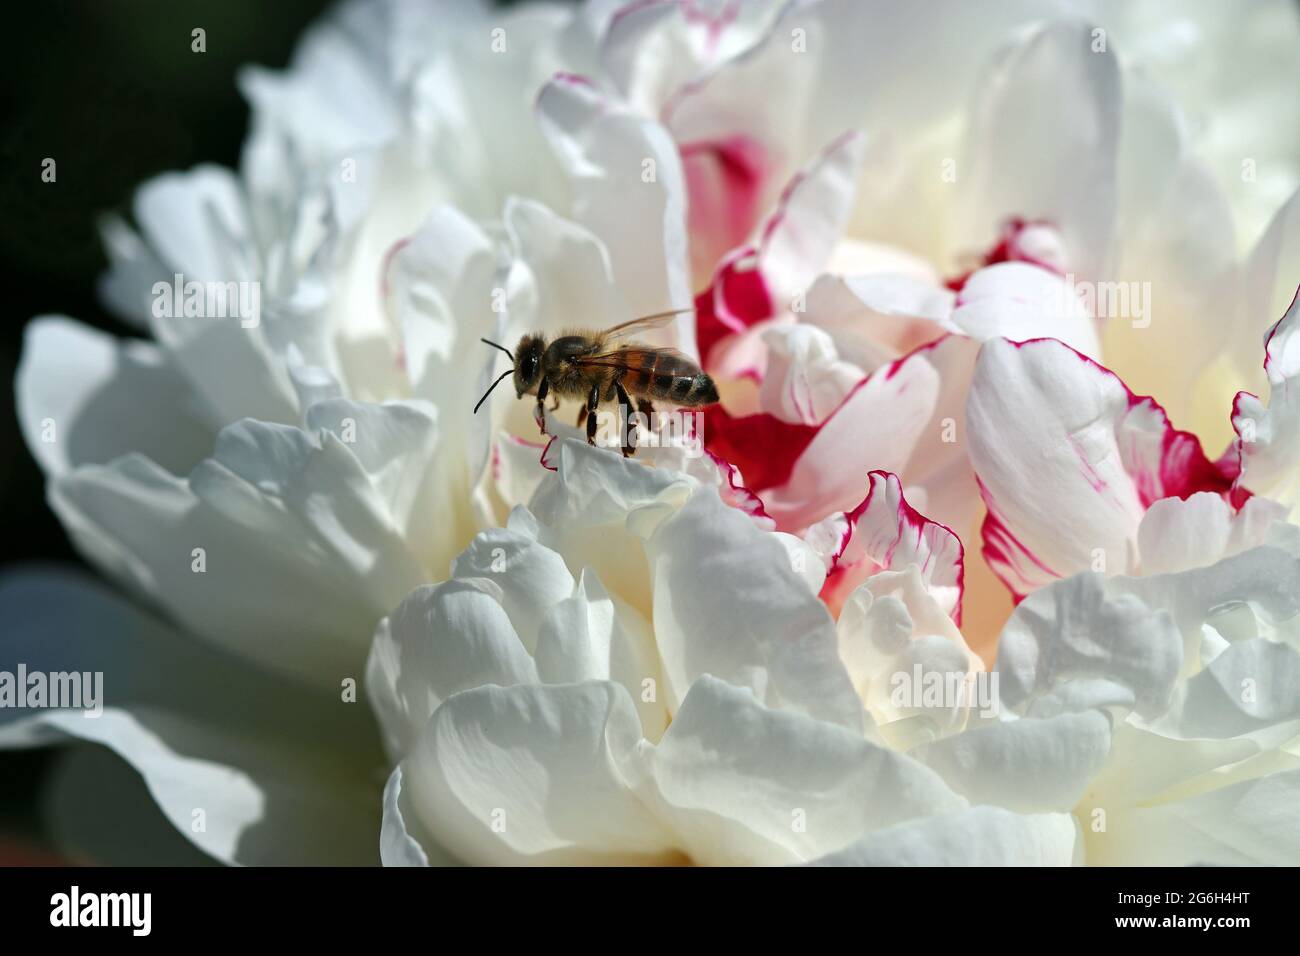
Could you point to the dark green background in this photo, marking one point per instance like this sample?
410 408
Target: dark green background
111 90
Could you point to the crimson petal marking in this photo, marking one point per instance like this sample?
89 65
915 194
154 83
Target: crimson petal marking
1172 466
738 495
762 446
885 533
1016 566
1010 247
724 186
795 240
737 299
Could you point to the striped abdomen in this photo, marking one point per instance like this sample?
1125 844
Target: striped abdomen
668 377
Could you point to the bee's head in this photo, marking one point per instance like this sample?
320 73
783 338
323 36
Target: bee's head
528 364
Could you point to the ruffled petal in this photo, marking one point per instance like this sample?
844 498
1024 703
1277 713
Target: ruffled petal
1069 460
535 775
771 634
629 190
1019 141
1076 645
905 418
885 533
978 836
189 544
440 640
84 399
744 784
1268 436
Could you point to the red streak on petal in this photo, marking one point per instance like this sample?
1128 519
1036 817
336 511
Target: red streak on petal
737 299
543 459
386 265
739 495
1007 249
724 186
762 446
1001 547
840 583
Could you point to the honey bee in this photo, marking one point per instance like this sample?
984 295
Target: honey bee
595 367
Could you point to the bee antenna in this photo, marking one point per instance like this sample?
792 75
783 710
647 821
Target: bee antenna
495 346
501 377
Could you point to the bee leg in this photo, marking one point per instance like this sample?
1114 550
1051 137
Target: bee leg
540 414
626 419
582 415
647 408
592 401
555 403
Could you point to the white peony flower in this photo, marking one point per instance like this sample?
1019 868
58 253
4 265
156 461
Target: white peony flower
850 261
273 487
1164 711
631 672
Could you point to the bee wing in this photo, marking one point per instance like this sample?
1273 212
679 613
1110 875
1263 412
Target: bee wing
644 323
634 357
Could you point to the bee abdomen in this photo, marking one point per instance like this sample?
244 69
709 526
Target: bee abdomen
702 391
696 389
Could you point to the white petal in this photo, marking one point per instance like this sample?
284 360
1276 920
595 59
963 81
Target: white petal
84 398
1252 687
1069 460
884 533
905 418
570 268
738 129
796 240
330 99
592 636
629 190
978 836
1269 436
440 640
1020 141
1030 765
805 379
770 634
1173 284
402 841
744 784
1019 301
1266 579
1177 534
197 223
531 577
594 487
1270 278
1251 823
306 610
1072 646
651 50
535 774
875 319
897 641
